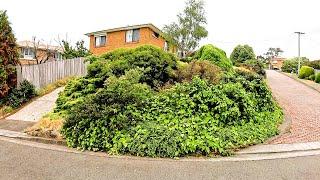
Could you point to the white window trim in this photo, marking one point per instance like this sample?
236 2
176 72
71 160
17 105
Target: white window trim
129 36
98 37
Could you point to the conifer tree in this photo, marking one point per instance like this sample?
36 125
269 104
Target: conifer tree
8 56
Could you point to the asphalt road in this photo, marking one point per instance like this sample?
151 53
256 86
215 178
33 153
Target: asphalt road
19 161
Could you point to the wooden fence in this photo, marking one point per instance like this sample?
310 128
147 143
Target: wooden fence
41 75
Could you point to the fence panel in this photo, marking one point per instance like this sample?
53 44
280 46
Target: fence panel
41 75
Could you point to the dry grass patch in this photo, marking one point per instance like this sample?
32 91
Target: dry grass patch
48 127
5 110
51 87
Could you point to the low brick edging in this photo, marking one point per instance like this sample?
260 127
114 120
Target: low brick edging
303 81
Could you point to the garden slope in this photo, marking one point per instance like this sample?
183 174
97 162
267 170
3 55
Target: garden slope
132 102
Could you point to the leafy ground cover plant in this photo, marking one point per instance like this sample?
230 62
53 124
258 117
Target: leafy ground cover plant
129 109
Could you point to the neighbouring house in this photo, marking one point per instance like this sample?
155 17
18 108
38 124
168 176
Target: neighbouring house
128 37
36 53
277 62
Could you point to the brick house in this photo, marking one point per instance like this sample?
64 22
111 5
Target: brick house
128 37
277 62
29 54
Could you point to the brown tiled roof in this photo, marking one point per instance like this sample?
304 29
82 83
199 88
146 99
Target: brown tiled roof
151 26
41 46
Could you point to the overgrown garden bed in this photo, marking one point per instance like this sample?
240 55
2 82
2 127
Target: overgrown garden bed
146 102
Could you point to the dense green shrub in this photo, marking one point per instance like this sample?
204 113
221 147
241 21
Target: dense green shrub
242 53
317 78
156 65
204 69
94 121
314 64
18 96
193 117
254 65
291 65
215 55
305 72
172 109
312 77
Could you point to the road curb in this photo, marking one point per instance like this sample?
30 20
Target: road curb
24 136
280 148
253 153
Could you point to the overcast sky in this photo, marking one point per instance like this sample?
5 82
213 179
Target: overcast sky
259 23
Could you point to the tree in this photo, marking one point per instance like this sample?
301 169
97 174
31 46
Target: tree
70 52
189 30
242 53
272 53
8 56
291 65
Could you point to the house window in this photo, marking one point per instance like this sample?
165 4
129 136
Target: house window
27 53
156 35
133 35
100 41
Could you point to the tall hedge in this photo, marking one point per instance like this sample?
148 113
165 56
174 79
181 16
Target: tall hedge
8 56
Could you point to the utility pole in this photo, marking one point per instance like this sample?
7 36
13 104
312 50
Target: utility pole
299 58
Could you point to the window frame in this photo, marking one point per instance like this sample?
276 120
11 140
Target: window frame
99 38
130 36
28 53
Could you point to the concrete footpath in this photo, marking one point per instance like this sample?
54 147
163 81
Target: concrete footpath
34 111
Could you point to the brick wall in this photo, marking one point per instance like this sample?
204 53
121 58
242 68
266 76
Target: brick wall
117 40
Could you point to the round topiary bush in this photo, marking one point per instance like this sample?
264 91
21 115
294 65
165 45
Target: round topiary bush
317 78
305 72
215 55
